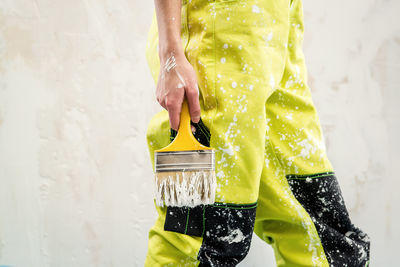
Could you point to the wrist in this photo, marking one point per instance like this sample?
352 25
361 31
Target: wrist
166 49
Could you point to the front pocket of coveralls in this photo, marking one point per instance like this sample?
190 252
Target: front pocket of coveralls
188 220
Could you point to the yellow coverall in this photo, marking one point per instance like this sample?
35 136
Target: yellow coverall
273 174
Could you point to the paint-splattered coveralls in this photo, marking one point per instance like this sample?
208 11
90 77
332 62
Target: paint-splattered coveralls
273 174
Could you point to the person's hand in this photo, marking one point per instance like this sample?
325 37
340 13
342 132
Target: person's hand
177 78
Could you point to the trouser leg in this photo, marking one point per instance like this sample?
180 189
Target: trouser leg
282 222
168 248
301 210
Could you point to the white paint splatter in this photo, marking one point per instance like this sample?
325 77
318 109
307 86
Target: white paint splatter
228 150
307 148
223 60
220 174
256 9
269 37
234 84
235 236
272 81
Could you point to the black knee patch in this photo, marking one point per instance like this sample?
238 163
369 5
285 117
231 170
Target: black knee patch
226 229
185 220
320 195
228 233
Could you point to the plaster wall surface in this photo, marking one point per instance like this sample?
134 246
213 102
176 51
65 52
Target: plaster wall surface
76 96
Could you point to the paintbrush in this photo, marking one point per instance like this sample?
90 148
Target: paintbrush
185 169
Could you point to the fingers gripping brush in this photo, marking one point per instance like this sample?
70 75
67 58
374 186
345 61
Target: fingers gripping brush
185 169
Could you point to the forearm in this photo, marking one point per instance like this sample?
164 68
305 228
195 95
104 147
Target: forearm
169 27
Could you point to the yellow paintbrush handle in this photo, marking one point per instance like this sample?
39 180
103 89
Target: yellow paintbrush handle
184 123
184 140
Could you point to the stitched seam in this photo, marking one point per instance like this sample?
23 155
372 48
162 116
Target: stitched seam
312 174
305 176
273 152
208 139
280 80
203 127
215 61
204 220
227 1
187 220
235 204
225 207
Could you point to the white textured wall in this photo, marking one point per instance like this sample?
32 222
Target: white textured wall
76 96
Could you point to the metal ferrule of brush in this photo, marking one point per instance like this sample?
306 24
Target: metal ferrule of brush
189 160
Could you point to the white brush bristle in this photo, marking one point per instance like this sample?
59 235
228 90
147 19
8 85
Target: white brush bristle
187 188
